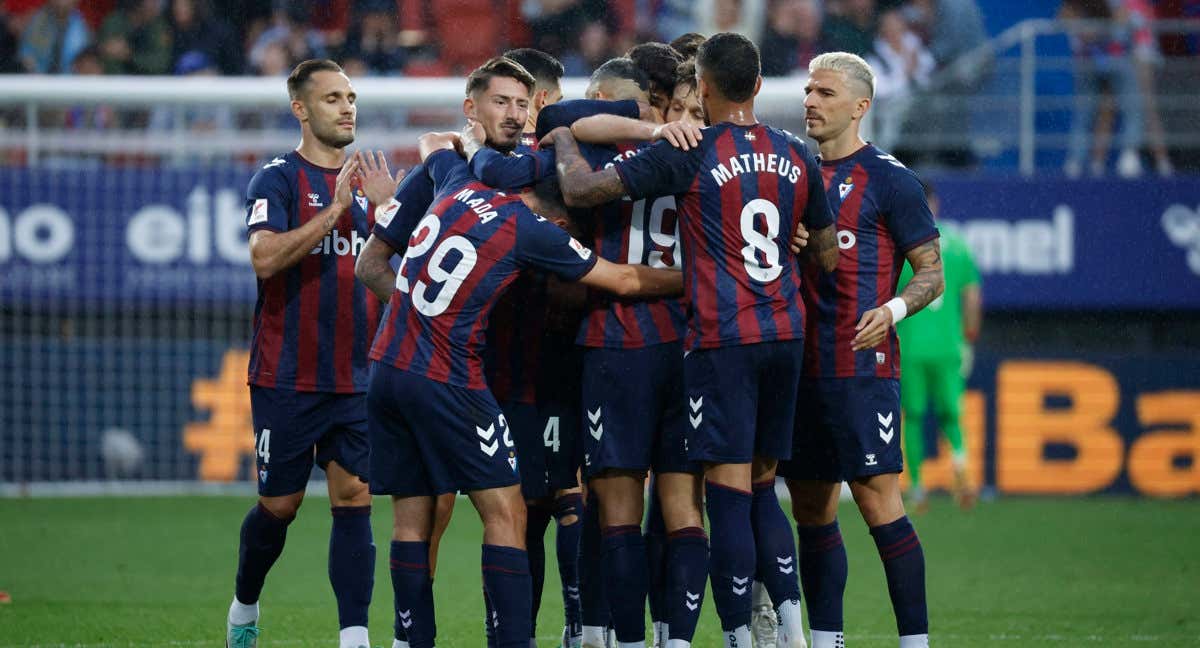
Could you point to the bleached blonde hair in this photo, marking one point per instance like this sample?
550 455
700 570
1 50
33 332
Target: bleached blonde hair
852 65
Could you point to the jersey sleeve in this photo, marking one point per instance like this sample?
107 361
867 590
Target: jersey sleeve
268 201
908 217
395 221
565 113
660 170
817 213
447 168
546 246
511 172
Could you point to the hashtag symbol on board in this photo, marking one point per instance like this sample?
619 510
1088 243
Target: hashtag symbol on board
226 437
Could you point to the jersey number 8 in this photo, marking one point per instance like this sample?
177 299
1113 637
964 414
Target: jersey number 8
423 238
766 269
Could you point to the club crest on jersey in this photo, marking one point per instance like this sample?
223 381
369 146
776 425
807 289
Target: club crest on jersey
262 476
512 461
845 188
314 200
361 199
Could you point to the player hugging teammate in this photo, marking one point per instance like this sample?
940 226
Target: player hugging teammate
730 323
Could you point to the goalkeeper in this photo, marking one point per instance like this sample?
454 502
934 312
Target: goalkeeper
935 360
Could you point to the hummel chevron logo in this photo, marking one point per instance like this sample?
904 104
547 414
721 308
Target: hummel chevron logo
572 592
594 417
693 601
696 417
696 403
406 618
486 435
886 422
739 585
785 564
597 431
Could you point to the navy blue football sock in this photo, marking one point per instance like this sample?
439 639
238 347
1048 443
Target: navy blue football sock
413 589
823 570
656 560
506 580
593 599
261 542
774 545
352 563
537 521
489 616
732 555
904 564
566 542
625 573
687 570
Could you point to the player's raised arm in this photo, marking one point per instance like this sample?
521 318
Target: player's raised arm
272 252
430 143
606 129
582 187
373 267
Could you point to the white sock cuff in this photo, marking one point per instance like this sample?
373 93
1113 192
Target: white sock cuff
396 643
914 641
678 643
827 639
241 614
353 637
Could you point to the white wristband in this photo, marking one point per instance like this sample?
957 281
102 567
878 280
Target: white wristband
898 307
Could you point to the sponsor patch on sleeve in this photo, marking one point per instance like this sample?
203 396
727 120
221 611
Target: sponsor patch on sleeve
386 212
579 248
258 213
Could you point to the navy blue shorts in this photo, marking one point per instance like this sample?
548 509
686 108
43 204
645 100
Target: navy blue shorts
633 414
741 401
846 428
292 430
547 438
429 438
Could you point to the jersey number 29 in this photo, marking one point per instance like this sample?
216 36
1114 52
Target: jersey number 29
451 279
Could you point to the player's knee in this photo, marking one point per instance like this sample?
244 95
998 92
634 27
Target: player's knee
353 493
284 507
813 503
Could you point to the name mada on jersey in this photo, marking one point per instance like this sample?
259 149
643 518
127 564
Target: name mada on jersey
755 163
484 209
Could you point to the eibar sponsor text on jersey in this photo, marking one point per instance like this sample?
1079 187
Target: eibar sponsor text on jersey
335 243
755 163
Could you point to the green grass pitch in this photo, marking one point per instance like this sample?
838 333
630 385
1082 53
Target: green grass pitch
119 572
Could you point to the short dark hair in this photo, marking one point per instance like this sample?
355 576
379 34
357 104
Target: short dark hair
685 74
545 69
481 77
687 44
658 61
621 68
304 71
732 63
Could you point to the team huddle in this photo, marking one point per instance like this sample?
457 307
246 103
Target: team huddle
645 283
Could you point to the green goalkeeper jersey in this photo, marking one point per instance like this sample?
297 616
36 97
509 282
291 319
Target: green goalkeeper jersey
937 330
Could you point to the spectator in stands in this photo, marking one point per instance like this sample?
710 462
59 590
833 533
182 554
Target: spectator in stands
89 117
288 30
850 26
373 38
902 65
54 36
10 40
1102 71
954 28
191 117
136 39
195 29
743 17
595 47
465 32
793 37
1136 15
557 24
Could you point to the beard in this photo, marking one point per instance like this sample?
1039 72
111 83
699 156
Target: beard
332 138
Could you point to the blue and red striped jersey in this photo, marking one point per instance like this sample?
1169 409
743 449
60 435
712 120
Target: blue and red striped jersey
313 322
460 259
881 215
739 195
643 231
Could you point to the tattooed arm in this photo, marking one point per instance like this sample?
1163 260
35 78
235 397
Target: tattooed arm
925 286
581 186
819 247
